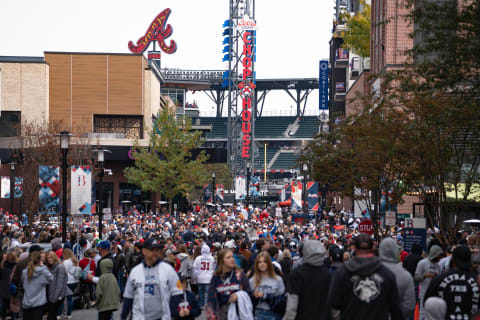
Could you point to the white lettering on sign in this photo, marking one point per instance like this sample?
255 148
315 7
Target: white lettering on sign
415 223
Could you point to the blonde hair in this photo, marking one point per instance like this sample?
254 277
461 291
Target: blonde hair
34 261
257 275
53 255
68 254
286 254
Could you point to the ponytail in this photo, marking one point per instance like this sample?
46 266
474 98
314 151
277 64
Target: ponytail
35 259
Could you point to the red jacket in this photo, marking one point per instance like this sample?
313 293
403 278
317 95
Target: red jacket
84 262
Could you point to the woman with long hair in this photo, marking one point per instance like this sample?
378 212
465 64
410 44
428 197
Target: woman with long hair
35 279
226 282
9 261
194 281
286 262
70 263
268 289
57 288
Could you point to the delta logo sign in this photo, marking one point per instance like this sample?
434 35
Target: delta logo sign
247 88
157 31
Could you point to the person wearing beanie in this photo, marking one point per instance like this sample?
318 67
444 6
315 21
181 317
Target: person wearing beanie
308 285
389 255
427 269
458 287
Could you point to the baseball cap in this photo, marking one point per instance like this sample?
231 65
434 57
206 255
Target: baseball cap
336 254
152 243
34 247
104 244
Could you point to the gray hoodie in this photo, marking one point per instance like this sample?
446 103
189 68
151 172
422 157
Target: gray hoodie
313 253
389 255
35 289
435 308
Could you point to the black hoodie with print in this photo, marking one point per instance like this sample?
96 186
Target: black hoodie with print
364 289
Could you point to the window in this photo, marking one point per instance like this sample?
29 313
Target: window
10 124
126 127
133 196
177 95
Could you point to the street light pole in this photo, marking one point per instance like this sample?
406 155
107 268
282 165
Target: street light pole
304 192
101 162
248 185
213 187
12 185
64 145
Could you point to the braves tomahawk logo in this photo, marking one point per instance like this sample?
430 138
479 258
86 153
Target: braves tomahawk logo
157 31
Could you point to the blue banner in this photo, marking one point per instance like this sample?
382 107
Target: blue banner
18 188
49 180
323 85
312 196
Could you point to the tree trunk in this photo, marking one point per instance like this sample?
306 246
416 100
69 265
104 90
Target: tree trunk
170 204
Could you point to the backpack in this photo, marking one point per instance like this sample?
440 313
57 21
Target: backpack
77 273
84 273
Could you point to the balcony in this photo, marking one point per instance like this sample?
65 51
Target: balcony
341 58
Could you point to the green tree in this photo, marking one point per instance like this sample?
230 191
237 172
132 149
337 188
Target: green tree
421 131
166 165
357 35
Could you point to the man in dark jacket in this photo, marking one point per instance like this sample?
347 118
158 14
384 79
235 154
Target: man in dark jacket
308 285
363 288
411 261
458 287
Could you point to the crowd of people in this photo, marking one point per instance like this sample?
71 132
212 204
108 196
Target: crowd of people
233 263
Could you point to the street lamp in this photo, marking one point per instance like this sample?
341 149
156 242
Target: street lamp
64 145
248 184
213 187
304 193
12 184
101 162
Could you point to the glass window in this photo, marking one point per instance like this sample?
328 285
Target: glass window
133 193
10 123
177 95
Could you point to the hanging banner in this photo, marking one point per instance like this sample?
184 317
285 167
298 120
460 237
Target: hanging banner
207 193
288 192
323 85
81 189
5 187
49 179
240 188
18 188
282 194
219 193
312 196
296 195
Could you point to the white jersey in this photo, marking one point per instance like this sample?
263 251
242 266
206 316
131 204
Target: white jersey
203 268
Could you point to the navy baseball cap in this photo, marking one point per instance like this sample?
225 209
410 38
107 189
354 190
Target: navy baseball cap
152 243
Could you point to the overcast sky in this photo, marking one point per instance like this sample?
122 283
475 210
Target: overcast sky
292 35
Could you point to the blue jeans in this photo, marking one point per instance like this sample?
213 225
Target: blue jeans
202 294
121 282
72 287
266 315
